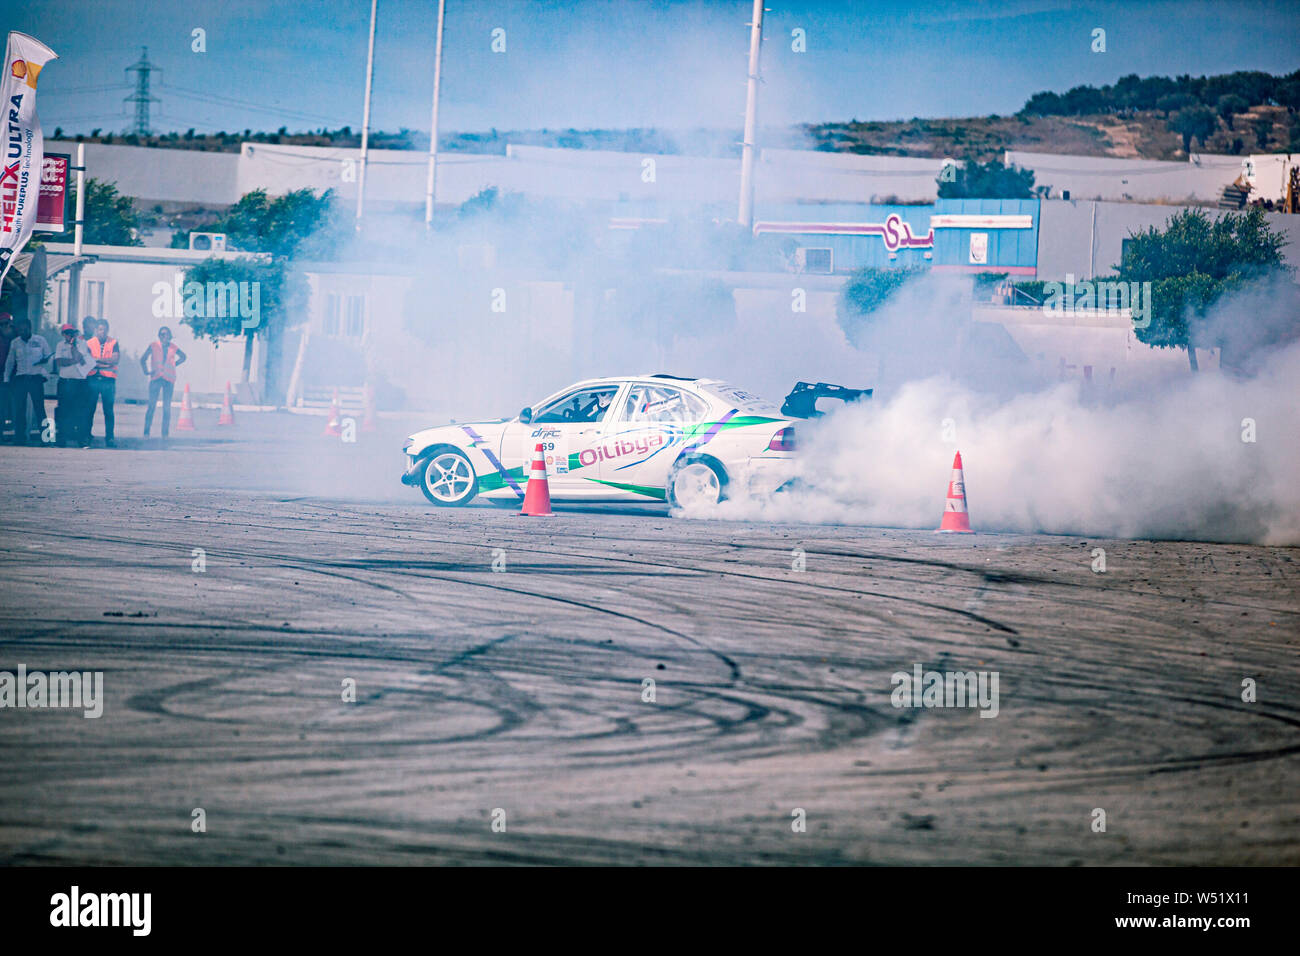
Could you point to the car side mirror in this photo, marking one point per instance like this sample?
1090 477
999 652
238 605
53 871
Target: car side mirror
526 416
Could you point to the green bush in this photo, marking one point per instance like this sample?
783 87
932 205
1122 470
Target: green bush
866 291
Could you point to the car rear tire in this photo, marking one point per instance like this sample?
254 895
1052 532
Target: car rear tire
447 478
696 483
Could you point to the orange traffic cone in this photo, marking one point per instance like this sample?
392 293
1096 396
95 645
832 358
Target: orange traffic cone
537 496
334 426
186 422
955 518
368 423
227 411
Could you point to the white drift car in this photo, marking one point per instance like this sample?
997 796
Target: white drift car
648 438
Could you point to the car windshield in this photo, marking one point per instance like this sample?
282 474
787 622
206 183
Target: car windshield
584 405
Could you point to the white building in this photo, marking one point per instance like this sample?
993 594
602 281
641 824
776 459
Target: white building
121 284
1199 179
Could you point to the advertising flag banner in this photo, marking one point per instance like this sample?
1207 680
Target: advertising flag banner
23 150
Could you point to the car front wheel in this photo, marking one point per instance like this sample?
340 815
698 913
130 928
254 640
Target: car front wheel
448 479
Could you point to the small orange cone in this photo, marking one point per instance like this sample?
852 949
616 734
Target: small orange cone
227 411
955 518
186 422
537 496
368 423
334 426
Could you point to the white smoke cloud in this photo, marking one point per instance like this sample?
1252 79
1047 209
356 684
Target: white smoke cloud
1168 464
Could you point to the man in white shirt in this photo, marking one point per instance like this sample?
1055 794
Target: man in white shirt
24 372
75 363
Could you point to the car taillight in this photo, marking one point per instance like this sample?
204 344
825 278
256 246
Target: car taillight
782 440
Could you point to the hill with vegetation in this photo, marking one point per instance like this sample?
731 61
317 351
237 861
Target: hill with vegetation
1153 117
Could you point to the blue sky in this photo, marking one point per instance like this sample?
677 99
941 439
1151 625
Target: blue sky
619 63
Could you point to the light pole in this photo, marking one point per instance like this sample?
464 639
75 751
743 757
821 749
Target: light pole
746 213
365 116
430 195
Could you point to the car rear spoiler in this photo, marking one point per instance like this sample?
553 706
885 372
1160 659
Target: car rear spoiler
802 400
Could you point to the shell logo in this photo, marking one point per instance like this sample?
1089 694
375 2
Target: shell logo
20 68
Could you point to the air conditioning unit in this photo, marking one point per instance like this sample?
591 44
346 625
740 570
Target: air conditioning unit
208 241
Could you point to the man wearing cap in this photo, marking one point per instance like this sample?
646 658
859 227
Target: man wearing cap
24 374
73 360
103 380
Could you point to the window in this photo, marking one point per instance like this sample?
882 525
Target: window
330 320
583 406
356 327
92 298
657 403
817 261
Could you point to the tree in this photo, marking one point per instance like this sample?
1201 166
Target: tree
991 180
1288 93
1229 105
866 291
300 224
1194 122
1174 102
297 224
111 218
1263 127
277 293
490 201
1132 92
1191 264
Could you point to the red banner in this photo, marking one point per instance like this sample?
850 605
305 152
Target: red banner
51 206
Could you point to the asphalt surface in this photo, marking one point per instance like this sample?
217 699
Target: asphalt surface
518 693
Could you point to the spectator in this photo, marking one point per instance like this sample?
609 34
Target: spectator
103 380
24 375
164 357
88 328
74 362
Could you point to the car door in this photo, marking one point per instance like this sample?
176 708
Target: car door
646 437
565 425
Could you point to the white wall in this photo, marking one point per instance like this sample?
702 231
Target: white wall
1093 177
792 175
392 176
129 308
160 175
1064 344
